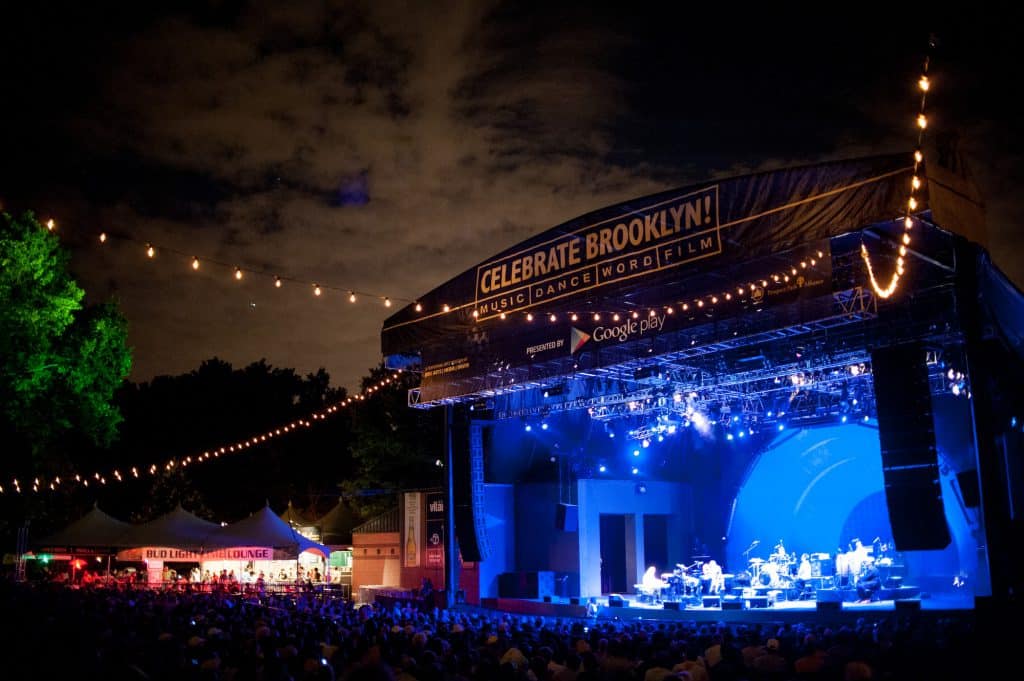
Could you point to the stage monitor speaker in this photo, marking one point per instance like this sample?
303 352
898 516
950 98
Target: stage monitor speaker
672 605
567 518
970 492
547 599
758 601
732 604
906 433
466 441
712 602
828 606
617 602
574 600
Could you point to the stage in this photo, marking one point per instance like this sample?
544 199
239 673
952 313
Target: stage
938 605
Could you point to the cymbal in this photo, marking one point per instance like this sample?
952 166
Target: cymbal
757 561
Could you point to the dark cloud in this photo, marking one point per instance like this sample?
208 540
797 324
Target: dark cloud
387 146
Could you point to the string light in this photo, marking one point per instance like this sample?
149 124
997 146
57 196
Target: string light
316 290
150 249
197 458
924 85
352 297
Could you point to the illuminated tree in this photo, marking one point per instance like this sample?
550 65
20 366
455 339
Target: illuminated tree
60 362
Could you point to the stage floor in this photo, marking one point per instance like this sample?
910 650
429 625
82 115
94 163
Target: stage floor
780 611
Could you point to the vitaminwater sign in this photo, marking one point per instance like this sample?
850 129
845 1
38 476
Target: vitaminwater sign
667 234
433 554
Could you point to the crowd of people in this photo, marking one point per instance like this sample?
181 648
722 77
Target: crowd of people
149 634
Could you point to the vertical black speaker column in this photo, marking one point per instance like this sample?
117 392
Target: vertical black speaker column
467 442
906 433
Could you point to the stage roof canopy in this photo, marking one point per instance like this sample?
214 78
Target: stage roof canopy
717 266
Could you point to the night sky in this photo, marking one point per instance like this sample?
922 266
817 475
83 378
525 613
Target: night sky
386 147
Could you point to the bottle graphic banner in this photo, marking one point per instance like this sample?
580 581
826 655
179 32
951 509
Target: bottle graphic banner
413 522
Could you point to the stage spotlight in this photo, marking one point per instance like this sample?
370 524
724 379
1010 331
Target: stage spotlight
635 470
866 418
661 438
843 419
528 428
544 426
781 427
602 468
646 443
641 488
728 436
636 452
672 429
741 433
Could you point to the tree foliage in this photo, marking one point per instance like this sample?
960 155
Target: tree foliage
394 447
60 362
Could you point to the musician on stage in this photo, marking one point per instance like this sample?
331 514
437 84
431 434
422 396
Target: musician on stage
712 572
803 574
869 582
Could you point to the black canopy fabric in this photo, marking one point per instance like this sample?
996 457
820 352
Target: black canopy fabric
336 525
293 517
94 530
178 529
263 528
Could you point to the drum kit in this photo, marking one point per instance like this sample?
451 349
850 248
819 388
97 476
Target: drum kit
775 573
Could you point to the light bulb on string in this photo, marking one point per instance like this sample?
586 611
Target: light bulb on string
150 251
277 282
238 274
51 225
924 84
922 121
387 301
446 308
103 237
351 297
195 263
316 290
419 308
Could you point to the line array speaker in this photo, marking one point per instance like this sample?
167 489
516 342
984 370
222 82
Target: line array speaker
466 441
906 433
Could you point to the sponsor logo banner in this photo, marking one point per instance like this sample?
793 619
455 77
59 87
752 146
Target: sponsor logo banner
667 234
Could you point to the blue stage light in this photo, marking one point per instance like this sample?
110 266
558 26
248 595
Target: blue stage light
646 443
843 419
661 438
602 468
528 428
781 427
741 433
543 426
866 418
636 452
728 436
635 471
611 433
